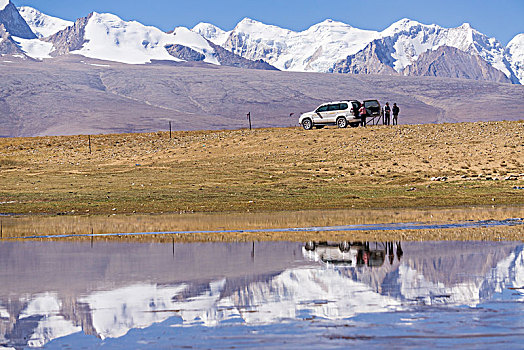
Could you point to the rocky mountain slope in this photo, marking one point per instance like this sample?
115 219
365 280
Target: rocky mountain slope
7 45
13 22
451 62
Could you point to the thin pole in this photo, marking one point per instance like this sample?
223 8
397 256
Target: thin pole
89 138
169 129
1 229
249 118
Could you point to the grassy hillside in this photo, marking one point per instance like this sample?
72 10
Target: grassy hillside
265 170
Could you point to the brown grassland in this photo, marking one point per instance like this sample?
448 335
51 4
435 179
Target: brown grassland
265 170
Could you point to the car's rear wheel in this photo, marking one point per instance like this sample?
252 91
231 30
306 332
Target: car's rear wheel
342 122
307 124
310 245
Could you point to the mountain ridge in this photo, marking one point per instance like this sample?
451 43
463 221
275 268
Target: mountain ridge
327 47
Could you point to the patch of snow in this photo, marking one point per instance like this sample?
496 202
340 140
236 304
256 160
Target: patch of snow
41 24
3 4
4 313
50 328
42 304
35 48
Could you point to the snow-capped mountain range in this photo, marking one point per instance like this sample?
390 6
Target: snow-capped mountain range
327 47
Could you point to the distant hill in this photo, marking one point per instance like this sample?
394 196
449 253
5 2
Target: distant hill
75 95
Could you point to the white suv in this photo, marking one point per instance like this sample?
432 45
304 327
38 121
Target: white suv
339 113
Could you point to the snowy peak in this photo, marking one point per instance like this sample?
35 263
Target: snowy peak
515 53
403 25
211 33
517 41
254 28
314 49
13 22
41 24
107 37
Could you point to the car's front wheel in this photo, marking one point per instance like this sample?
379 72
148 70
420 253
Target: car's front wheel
342 122
344 247
307 124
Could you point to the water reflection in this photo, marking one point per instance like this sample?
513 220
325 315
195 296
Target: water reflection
123 293
355 254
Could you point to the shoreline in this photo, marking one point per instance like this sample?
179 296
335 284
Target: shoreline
447 224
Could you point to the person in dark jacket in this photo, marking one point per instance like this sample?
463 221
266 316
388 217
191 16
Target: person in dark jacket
363 114
387 114
396 111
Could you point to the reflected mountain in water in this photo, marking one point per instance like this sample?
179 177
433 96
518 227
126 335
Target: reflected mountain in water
111 288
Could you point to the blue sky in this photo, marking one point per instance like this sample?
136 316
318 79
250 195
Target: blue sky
502 19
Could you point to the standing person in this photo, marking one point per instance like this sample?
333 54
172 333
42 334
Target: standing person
396 111
363 115
387 114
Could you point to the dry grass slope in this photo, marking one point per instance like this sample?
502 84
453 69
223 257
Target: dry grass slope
265 170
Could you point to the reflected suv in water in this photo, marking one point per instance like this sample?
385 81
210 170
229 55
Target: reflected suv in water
354 254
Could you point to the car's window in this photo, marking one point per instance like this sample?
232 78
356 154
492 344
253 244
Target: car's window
322 109
333 107
343 106
371 104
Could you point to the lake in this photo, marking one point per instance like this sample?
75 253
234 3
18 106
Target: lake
312 294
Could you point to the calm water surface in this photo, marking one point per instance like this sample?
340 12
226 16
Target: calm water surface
261 295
